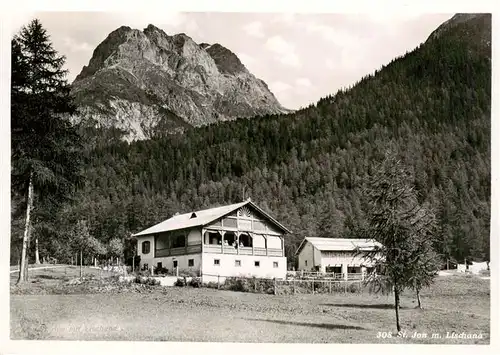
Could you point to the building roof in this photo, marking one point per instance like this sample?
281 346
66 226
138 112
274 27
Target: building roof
203 217
339 244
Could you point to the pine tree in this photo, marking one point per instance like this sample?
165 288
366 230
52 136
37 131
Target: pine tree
45 157
404 228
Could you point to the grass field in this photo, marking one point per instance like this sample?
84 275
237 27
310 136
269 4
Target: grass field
453 303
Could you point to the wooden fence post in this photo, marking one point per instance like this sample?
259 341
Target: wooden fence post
330 285
345 286
312 282
274 285
293 286
218 282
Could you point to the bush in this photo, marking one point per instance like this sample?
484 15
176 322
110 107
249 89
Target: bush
211 284
195 282
249 285
181 282
354 288
146 281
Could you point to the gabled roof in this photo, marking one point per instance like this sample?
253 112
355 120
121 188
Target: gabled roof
201 218
339 244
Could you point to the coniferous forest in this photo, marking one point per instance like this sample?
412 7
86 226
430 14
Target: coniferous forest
308 168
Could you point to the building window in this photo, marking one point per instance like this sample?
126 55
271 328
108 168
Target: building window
257 263
306 262
237 263
217 262
159 265
146 247
145 266
175 263
275 264
191 262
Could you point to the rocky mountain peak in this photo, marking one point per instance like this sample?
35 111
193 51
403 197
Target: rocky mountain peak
135 76
227 62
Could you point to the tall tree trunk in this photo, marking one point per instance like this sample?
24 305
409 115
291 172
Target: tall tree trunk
418 299
81 266
23 269
396 306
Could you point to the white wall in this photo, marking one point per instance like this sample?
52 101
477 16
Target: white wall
182 262
311 254
146 258
338 258
227 266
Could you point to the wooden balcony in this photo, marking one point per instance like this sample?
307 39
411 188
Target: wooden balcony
217 249
190 249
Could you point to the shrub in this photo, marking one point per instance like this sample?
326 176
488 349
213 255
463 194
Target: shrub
181 282
211 284
236 284
146 281
195 282
354 288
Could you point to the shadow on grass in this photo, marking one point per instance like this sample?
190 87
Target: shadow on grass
312 325
355 305
51 277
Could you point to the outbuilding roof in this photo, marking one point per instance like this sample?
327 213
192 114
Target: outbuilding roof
339 244
203 217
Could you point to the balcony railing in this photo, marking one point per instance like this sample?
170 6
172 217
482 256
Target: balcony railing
190 249
217 249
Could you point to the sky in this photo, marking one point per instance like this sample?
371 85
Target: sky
302 56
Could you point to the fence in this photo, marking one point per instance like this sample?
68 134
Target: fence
324 275
283 287
312 285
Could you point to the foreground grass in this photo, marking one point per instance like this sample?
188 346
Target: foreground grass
454 303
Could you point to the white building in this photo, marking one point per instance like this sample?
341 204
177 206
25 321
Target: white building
234 240
336 255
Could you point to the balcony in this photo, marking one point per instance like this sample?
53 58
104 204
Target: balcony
217 249
190 249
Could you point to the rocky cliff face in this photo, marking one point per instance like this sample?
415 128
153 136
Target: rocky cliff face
146 81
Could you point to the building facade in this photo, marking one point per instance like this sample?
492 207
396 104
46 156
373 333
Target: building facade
234 240
339 256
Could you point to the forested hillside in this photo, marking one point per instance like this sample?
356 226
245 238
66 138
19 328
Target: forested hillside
307 169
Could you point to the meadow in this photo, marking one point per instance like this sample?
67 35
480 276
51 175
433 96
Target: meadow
53 306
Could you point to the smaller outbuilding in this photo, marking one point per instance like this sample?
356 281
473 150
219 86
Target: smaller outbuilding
339 256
